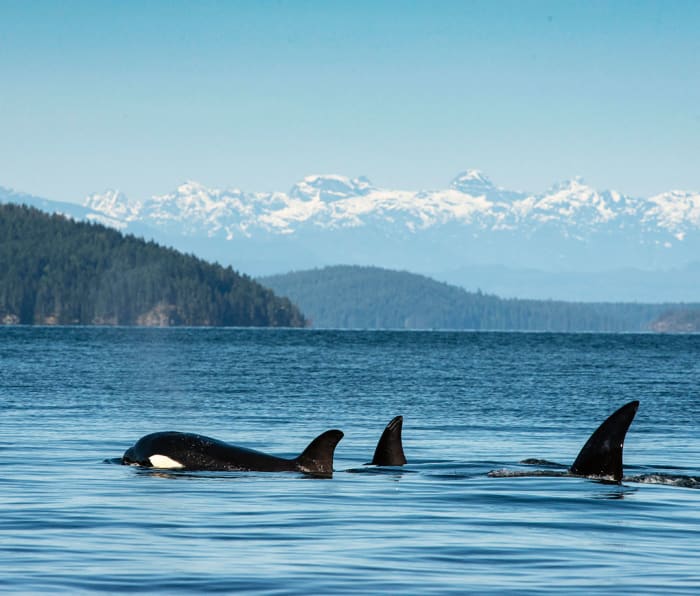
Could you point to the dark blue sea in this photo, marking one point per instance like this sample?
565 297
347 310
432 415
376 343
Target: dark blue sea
73 399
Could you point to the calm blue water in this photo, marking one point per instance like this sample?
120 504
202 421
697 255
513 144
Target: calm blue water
71 398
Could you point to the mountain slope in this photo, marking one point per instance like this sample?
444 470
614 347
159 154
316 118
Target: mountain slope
374 298
57 271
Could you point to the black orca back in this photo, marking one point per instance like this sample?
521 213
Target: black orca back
196 452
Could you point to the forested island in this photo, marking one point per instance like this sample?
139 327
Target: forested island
58 271
678 320
374 298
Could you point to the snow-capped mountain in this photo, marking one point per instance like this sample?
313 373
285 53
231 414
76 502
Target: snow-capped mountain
114 204
333 202
331 219
676 211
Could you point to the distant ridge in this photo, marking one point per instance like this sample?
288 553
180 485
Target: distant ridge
347 297
680 319
57 271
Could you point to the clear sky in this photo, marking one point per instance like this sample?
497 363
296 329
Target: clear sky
144 95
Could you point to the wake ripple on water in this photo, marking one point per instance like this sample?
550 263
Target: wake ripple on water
655 478
666 479
525 473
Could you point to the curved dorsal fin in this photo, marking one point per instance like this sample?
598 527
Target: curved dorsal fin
602 453
389 451
317 458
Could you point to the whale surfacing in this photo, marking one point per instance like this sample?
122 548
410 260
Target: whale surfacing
188 451
600 457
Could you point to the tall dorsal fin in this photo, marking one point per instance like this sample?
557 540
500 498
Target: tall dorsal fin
317 458
602 453
389 451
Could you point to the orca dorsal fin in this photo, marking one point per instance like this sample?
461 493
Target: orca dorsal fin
317 458
389 451
602 453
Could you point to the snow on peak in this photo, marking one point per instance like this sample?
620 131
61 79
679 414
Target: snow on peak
330 188
472 182
574 184
334 201
191 187
673 209
114 204
567 201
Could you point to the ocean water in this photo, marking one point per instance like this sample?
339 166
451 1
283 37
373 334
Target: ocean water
73 399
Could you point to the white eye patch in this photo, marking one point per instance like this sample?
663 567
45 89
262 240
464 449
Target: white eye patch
164 462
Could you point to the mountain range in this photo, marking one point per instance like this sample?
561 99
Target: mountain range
472 225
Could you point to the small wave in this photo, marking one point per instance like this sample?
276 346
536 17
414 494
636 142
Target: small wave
380 470
524 473
666 479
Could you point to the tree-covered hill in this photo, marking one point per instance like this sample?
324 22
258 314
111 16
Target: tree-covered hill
374 298
57 271
682 319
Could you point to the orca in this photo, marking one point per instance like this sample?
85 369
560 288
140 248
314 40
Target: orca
601 455
187 451
389 451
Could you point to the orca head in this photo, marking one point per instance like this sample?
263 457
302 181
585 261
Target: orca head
157 450
131 459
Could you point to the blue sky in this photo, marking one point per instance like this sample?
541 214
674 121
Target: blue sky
142 96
